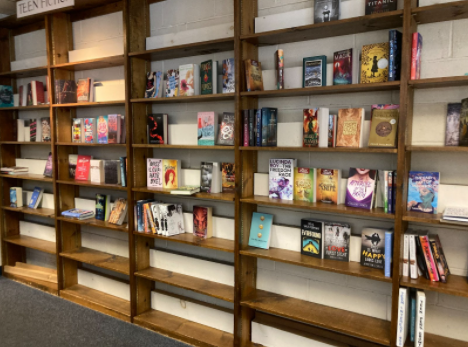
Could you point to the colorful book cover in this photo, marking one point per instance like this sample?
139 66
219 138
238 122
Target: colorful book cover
90 130
331 131
279 65
394 67
310 128
102 129
269 126
100 207
452 130
45 123
202 221
6 96
206 128
463 138
113 125
33 130
373 248
76 134
360 190
312 238
374 63
337 239
206 77
228 178
326 11
172 83
349 127
304 184
36 197
150 91
264 126
226 130
123 171
156 129
187 80
423 191
260 230
154 173
383 107
170 174
82 167
258 128
380 6
245 128
72 160
229 79
83 90
384 128
430 263
253 75
48 166
343 67
327 186
65 92
281 174
13 198
206 176
438 262
416 56
314 71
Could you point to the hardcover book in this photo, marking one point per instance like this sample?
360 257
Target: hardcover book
65 92
380 6
123 171
112 172
360 191
203 221
384 128
72 160
228 178
113 126
350 128
374 63
83 91
154 173
337 239
279 65
6 96
394 67
310 128
304 184
253 75
171 172
388 253
226 130
45 123
150 91
82 167
452 131
48 166
90 132
37 93
102 130
429 258
463 138
332 120
77 130
36 197
260 230
119 212
441 259
326 11
206 77
206 176
423 191
207 122
229 79
373 248
343 67
16 197
157 129
172 83
327 186
416 56
33 130
314 70
312 238
269 126
189 79
281 175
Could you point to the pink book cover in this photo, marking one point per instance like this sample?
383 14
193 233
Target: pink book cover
246 128
431 266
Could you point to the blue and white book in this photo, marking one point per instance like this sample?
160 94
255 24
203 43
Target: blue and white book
16 197
260 230
36 197
78 213
388 253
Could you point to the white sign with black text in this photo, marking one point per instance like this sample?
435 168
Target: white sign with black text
25 8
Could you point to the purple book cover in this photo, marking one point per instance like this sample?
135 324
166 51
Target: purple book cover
361 188
48 167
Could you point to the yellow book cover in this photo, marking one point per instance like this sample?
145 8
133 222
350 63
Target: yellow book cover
384 128
327 186
170 174
304 184
374 63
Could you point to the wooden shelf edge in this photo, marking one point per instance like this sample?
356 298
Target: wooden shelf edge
90 64
41 212
100 259
228 197
23 73
437 149
25 143
318 149
89 184
209 148
456 285
25 108
182 99
51 288
90 144
32 242
95 223
30 177
440 12
91 104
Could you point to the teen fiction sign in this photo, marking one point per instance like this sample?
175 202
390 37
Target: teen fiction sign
25 8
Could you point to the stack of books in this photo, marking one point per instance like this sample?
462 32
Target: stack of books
455 215
78 213
13 170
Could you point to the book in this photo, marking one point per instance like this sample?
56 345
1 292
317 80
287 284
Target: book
281 177
113 128
27 133
83 91
138 219
429 258
206 176
388 253
203 221
37 93
48 166
380 6
452 130
82 167
101 202
226 130
90 130
123 129
33 130
229 77
29 99
253 75
65 92
420 318
172 83
36 197
390 190
279 66
20 130
14 170
206 77
343 67
45 125
413 266
314 70
16 197
154 84
384 128
328 186
22 96
252 128
78 213
258 128
207 123
260 230
395 46
326 11
112 172
171 173
405 268
412 314
102 129
175 220
72 160
423 191
416 49
312 238
157 129
337 240
6 96
245 128
119 211
269 126
228 183
402 320
463 138
189 80
421 260
310 128
123 171
360 191
186 190
77 130
304 184
154 210
455 213
441 259
373 248
96 171
154 170
349 128
374 63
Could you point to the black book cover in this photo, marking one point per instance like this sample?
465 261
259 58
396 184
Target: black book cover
420 258
33 130
111 171
337 238
380 6
373 248
156 129
252 127
65 92
311 238
326 11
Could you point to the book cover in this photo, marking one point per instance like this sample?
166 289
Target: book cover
36 197
327 186
438 261
119 211
6 96
281 174
65 92
343 67
206 77
151 83
48 166
258 128
380 6
100 207
72 160
83 89
390 191
349 127
326 11
374 63
443 258
228 178
156 127
463 137
206 128
187 80
332 131
172 83
403 313
373 248
16 197
154 173
170 173
203 221
89 125
337 239
388 253
413 267
279 66
429 258
405 267
312 238
253 75
412 317
102 129
416 49
229 78
112 171
37 89
123 129
226 130
310 128
269 127
96 171
77 128
314 71
260 230
113 126
206 176
123 171
421 259
82 168
395 45
360 190
175 220
32 130
452 130
423 191
46 137
384 128
304 184
245 128
420 318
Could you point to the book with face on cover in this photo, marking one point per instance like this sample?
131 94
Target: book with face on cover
171 173
326 11
48 167
350 126
45 124
281 178
253 75
189 80
175 220
206 176
423 191
102 129
229 79
452 131
361 187
203 221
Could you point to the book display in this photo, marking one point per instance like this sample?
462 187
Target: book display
222 153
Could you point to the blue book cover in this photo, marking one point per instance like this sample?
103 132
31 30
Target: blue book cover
13 199
394 67
259 128
264 127
260 230
269 123
412 320
6 96
139 214
75 212
314 71
388 253
100 207
123 171
36 195
423 191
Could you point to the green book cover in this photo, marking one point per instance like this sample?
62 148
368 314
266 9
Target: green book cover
260 230
206 77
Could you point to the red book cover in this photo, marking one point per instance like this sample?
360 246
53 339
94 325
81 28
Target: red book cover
416 56
82 167
431 267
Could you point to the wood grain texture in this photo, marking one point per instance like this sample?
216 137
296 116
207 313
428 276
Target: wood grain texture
185 99
51 288
441 12
439 82
25 108
32 242
456 149
195 284
319 149
201 195
96 11
91 104
42 212
99 63
90 144
456 285
25 143
99 259
32 273
431 340
97 223
24 73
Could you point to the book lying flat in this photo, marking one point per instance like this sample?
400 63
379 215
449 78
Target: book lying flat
186 190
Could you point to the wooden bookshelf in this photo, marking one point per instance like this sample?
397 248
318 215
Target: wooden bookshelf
431 340
99 63
25 143
201 195
32 242
439 82
208 148
25 108
91 144
41 212
28 176
440 12
92 184
91 104
99 259
24 73
186 99
318 149
96 223
456 285
448 149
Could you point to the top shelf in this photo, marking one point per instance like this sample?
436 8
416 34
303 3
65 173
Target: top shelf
441 12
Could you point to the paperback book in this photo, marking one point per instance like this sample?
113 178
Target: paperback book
154 168
373 248
337 239
279 66
304 184
45 122
452 130
65 91
6 96
416 56
82 167
349 132
113 126
260 230
384 128
172 83
281 175
314 71
206 77
423 191
326 11
360 191
312 238
226 130
16 197
157 129
112 172
90 130
229 80
380 6
207 123
228 178
189 80
36 197
72 160
203 221
374 63
310 128
343 67
48 166
327 186
171 173
102 130
253 75
463 138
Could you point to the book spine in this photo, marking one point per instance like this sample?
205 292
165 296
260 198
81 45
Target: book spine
150 220
246 128
394 183
420 320
138 217
123 171
145 218
401 317
412 317
431 267
420 257
414 56
388 254
259 128
391 61
406 255
389 192
438 262
412 257
385 195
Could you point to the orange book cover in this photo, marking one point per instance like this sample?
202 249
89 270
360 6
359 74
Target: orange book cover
253 75
327 186
349 125
170 174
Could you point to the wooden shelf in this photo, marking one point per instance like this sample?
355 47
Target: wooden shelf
456 285
420 217
204 196
28 176
187 50
457 149
91 104
100 259
209 148
345 322
317 206
49 287
24 73
99 63
25 143
180 328
92 184
32 242
318 149
431 340
42 212
190 239
186 99
91 144
440 12
25 108
296 258
195 284
96 223
439 82
340 89
98 301
348 26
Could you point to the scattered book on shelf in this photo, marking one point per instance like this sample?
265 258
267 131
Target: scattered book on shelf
312 237
209 77
328 186
384 128
350 128
226 130
36 197
416 49
373 248
229 77
6 96
361 188
14 170
457 214
343 67
172 83
260 230
85 90
207 127
154 84
463 138
186 190
203 221
423 191
279 67
326 11
78 214
228 178
16 197
119 212
281 178
189 80
374 63
48 166
65 92
314 70
253 75
210 177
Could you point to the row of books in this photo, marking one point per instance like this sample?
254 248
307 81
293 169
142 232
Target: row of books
33 130
16 197
103 129
456 133
33 94
70 92
330 241
115 216
325 130
191 79
411 317
85 168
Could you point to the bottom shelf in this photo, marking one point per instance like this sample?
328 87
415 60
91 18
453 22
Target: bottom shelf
431 340
183 329
51 288
98 301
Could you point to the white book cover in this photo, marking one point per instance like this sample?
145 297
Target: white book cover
402 327
97 171
281 179
405 255
20 130
413 264
175 220
420 318
216 178
323 116
154 169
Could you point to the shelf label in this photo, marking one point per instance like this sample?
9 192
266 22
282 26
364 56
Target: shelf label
25 8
